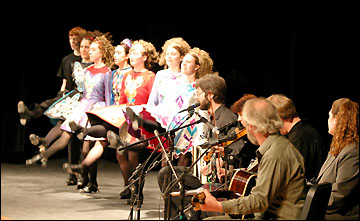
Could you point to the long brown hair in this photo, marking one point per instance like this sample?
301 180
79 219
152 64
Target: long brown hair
346 113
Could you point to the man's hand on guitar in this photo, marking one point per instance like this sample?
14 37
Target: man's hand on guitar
210 203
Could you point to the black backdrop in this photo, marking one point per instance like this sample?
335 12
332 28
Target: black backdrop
306 54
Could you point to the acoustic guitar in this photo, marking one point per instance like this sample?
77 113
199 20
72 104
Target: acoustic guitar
240 185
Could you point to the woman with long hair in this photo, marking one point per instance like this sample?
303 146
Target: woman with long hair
341 167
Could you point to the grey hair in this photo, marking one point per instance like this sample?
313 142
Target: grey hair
263 115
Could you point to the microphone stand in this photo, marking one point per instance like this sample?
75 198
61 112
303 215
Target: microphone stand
167 172
140 179
162 134
182 192
181 178
172 133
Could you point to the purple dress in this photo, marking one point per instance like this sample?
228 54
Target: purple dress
96 94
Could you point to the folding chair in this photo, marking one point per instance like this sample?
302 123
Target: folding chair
316 202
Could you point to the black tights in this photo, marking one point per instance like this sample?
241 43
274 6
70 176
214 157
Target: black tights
53 134
59 144
89 172
100 130
129 159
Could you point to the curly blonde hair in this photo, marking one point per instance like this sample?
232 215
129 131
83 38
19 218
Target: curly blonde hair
150 52
203 59
107 50
346 113
179 44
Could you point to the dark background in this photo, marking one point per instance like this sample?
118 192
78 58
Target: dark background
304 52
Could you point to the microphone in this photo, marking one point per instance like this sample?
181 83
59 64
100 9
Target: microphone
212 128
230 136
188 192
191 107
228 126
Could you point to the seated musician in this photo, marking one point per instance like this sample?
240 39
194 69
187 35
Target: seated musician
211 92
279 190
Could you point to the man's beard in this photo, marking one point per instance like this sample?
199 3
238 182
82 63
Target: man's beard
205 105
251 137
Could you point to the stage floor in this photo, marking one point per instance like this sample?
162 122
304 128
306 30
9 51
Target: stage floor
35 193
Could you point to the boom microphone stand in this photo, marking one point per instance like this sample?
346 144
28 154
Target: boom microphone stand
141 180
181 178
141 177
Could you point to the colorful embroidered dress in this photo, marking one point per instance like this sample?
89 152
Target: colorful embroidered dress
64 107
173 94
113 114
117 78
97 93
134 92
135 85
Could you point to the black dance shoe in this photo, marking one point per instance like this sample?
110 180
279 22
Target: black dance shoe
75 127
81 135
71 180
89 188
126 194
34 159
79 131
135 119
36 140
82 181
24 113
43 161
114 139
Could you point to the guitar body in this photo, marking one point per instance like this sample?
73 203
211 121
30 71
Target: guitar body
242 182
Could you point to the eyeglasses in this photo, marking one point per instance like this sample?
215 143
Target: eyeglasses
199 94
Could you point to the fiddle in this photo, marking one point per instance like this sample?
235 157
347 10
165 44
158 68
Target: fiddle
239 135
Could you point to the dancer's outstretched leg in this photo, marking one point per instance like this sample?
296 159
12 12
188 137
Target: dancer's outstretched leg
59 144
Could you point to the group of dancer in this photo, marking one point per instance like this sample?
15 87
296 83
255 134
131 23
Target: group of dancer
100 106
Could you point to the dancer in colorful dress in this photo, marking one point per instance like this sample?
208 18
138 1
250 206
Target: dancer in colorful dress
96 94
65 72
99 127
135 90
62 108
59 110
175 94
